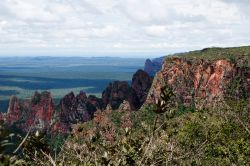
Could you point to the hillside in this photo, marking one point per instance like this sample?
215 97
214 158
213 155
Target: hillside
215 53
196 112
203 83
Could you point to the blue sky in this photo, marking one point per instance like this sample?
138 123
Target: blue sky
120 27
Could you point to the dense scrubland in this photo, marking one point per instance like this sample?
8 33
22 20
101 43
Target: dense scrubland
179 136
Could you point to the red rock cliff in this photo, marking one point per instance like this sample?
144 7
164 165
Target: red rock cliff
203 83
14 112
42 110
136 94
36 114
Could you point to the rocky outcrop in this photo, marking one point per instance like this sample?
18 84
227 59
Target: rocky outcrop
14 111
153 66
94 102
117 92
34 114
73 109
202 83
41 113
141 83
135 94
78 108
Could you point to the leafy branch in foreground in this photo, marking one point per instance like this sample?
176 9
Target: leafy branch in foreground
164 103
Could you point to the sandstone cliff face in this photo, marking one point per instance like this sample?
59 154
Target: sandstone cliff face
39 112
31 115
72 108
95 102
135 94
201 83
14 111
42 110
141 83
117 92
78 108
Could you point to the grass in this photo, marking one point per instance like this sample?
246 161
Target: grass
215 53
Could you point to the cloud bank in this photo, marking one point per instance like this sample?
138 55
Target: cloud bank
120 27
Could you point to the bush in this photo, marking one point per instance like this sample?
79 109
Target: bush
198 137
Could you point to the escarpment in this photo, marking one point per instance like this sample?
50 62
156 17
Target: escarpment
135 94
34 114
202 83
200 79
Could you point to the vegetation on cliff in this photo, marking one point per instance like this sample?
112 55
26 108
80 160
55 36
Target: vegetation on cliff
215 53
171 128
177 136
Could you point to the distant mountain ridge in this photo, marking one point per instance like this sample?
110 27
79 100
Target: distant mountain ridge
153 66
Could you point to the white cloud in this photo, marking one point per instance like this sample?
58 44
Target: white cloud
119 45
157 30
30 10
53 26
87 32
169 11
105 31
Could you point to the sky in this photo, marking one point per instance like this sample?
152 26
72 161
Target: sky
130 28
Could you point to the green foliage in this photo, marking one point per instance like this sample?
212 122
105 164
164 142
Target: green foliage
219 53
146 115
164 103
115 117
4 134
236 88
55 142
208 137
7 143
35 143
187 137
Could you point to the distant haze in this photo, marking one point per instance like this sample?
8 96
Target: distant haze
124 28
22 76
